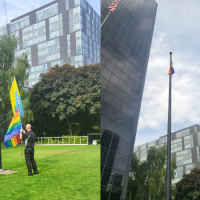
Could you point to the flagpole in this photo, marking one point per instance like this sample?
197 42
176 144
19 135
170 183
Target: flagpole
105 19
168 167
111 8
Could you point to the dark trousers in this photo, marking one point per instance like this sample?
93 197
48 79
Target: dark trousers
29 156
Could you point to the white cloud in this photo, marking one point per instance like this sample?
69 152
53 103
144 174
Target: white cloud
174 31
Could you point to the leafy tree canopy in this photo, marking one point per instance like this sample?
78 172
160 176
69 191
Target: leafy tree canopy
67 96
11 66
147 178
189 187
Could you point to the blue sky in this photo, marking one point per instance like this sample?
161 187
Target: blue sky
16 8
176 30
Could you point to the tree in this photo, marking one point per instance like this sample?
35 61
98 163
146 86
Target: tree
148 177
188 187
68 97
10 67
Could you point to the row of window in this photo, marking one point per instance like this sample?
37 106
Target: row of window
48 58
37 68
183 133
33 41
49 50
57 62
20 24
56 26
33 27
47 12
183 162
36 75
36 33
48 43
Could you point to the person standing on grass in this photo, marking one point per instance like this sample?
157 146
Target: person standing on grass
29 138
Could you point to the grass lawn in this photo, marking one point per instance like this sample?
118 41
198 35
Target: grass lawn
65 172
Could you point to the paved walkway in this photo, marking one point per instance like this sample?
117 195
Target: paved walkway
7 172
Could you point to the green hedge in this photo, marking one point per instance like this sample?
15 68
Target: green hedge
66 140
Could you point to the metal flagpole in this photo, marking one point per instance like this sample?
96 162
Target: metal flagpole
105 19
111 8
168 168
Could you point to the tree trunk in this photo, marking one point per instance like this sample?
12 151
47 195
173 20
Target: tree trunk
130 195
70 126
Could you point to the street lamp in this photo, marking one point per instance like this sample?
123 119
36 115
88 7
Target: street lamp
1 169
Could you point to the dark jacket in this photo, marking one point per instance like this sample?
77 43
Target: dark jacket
31 139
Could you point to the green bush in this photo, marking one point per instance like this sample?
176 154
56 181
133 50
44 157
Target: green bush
84 140
45 141
66 140
54 141
98 141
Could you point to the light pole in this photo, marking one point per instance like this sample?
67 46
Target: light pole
1 169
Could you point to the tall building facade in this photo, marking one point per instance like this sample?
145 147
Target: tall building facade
125 46
185 145
61 32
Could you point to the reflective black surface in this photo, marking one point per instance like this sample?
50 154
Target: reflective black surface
125 45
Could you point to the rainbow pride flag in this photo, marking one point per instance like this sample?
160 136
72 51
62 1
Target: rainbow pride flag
11 137
171 69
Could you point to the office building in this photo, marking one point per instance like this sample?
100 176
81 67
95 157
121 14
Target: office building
125 46
184 147
61 32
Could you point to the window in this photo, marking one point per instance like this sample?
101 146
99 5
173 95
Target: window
162 140
83 4
27 51
20 24
78 42
34 34
67 4
151 144
183 133
188 141
144 146
34 74
3 30
189 167
176 149
198 157
57 62
68 45
47 12
76 60
49 51
176 143
56 26
74 19
76 3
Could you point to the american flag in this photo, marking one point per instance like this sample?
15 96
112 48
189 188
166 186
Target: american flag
113 5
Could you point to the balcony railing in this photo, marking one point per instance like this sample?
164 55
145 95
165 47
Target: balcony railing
71 140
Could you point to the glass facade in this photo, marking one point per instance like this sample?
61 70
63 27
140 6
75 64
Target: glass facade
184 147
21 23
34 34
27 51
3 31
125 46
56 26
34 74
49 51
64 31
47 12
